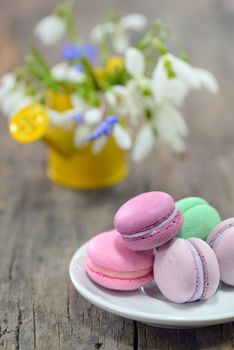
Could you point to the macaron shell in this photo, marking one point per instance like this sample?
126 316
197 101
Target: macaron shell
108 250
143 211
199 221
211 266
117 283
222 225
159 237
175 271
224 251
189 202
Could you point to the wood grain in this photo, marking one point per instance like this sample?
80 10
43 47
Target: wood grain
41 225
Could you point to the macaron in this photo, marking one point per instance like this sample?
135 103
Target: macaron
112 265
199 217
148 220
221 240
186 270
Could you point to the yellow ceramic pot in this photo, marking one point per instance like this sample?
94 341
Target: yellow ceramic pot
81 169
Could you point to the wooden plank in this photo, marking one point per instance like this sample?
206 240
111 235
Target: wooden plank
41 225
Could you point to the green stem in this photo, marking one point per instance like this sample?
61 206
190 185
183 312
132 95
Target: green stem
38 57
66 11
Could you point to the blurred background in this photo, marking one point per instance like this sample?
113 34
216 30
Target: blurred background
205 31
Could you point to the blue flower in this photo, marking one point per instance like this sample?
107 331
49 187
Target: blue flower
77 51
104 128
79 68
78 118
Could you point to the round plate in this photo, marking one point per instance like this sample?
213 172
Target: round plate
147 305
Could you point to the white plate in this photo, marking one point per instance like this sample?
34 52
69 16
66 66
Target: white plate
147 305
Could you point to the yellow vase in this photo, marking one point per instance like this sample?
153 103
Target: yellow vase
80 168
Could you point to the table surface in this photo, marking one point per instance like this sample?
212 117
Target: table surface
42 225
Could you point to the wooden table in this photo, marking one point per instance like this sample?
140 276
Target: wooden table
41 225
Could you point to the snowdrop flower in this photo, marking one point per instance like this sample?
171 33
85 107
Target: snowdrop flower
25 101
117 99
65 72
119 30
207 80
171 127
93 116
50 30
61 119
134 62
85 120
15 100
194 78
134 21
176 91
126 100
79 104
145 141
122 137
7 83
80 135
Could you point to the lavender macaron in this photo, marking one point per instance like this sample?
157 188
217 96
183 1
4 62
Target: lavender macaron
148 220
186 270
221 240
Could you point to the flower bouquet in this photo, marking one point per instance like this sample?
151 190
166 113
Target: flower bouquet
102 101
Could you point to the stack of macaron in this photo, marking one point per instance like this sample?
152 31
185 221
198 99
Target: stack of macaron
156 238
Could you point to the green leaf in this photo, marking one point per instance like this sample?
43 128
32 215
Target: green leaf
39 58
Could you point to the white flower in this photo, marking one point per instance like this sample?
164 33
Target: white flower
126 100
184 71
25 101
50 30
122 137
7 83
79 104
117 99
134 21
176 91
61 119
98 145
187 78
65 72
159 80
207 80
171 127
134 62
81 132
11 101
144 142
93 116
120 39
118 30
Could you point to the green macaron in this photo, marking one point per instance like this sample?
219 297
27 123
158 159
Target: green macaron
199 217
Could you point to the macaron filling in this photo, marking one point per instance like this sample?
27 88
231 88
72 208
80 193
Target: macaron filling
118 274
219 235
200 273
152 229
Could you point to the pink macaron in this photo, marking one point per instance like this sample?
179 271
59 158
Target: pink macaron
112 265
148 220
186 270
221 240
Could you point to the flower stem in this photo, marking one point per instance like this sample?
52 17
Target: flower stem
66 11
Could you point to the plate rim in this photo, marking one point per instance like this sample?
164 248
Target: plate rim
153 318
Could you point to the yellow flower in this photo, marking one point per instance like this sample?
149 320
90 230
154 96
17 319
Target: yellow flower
29 124
114 63
99 73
